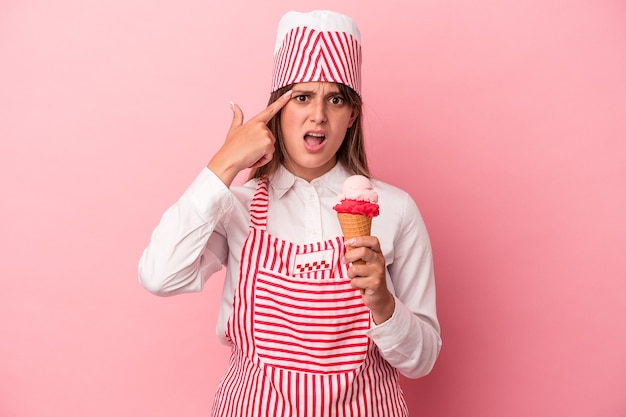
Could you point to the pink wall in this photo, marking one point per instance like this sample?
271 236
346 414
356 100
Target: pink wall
505 120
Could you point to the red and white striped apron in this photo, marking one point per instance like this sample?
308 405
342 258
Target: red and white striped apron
298 338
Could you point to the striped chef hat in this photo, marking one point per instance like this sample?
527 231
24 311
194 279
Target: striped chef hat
317 46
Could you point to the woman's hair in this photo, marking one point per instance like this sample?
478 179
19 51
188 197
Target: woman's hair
351 153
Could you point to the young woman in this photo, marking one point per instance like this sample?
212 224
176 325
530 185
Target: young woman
311 333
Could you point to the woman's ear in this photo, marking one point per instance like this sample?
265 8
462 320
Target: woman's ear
353 116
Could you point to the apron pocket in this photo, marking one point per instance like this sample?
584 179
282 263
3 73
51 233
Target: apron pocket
309 325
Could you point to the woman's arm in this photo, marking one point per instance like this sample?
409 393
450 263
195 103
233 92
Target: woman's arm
189 244
410 339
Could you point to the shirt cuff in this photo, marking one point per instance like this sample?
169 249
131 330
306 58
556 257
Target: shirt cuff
207 193
392 332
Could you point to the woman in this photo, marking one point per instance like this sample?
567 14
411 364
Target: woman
307 342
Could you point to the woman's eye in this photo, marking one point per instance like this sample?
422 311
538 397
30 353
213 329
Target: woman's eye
337 100
300 98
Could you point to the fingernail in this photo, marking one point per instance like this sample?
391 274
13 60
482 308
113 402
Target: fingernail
288 93
232 105
351 242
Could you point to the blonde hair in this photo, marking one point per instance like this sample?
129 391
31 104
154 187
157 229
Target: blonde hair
351 153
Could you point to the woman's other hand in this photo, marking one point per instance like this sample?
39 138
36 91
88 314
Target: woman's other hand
369 276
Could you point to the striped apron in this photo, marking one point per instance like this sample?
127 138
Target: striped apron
298 338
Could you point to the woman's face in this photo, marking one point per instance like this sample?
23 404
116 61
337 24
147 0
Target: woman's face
313 125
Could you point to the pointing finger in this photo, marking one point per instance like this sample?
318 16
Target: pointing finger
270 111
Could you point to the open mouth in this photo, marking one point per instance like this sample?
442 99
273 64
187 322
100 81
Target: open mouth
314 141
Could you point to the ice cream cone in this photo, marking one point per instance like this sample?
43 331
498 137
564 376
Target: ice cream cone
357 205
354 225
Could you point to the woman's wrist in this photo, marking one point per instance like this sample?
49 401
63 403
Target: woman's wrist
382 313
226 173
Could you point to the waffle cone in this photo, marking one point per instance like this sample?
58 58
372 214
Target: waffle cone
354 225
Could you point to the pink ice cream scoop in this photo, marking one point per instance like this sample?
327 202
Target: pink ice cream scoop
358 187
358 197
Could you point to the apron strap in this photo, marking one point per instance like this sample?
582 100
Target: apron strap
258 205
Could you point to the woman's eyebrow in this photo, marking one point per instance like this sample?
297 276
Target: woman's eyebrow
296 91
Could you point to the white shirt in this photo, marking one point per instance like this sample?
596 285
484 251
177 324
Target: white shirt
206 228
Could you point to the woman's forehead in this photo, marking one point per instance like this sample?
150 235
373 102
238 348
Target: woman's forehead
316 87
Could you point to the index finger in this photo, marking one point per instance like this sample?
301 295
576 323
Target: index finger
270 111
370 242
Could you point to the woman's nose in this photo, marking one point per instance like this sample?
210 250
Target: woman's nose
318 111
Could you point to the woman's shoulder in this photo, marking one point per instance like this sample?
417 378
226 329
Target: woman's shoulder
387 190
245 191
393 200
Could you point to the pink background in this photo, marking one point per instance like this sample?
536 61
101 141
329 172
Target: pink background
506 120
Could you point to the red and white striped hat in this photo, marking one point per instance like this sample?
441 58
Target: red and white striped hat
317 46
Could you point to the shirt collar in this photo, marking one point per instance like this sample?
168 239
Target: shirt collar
282 180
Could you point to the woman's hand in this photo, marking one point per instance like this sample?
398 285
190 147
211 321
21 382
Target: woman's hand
247 145
369 276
